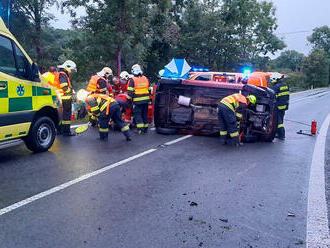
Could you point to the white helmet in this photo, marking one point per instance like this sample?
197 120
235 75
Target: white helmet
82 95
124 75
106 72
69 66
275 76
136 70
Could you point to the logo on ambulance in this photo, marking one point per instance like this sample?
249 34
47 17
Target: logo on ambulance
20 90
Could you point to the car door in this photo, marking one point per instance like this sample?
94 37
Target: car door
16 108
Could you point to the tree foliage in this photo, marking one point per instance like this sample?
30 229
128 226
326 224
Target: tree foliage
36 11
316 68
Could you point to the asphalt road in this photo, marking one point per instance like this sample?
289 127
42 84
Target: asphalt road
193 193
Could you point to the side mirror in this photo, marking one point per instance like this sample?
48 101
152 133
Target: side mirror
34 73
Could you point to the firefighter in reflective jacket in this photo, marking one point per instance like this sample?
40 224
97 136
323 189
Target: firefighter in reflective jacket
282 102
99 82
63 84
228 115
139 92
106 108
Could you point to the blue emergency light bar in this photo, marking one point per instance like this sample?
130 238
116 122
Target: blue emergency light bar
199 69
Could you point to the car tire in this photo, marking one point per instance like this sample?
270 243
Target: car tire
271 136
167 131
41 135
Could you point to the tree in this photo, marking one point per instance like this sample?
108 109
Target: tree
36 12
316 68
320 39
111 26
289 59
226 34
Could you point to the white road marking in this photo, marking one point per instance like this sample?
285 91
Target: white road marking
81 178
317 218
177 140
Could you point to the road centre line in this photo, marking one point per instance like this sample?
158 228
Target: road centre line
177 140
317 234
81 178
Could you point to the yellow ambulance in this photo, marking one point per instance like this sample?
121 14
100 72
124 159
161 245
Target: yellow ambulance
28 105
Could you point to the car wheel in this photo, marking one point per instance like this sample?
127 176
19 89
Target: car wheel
42 135
273 127
167 131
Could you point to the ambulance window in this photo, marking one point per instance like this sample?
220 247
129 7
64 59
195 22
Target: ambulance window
7 61
23 65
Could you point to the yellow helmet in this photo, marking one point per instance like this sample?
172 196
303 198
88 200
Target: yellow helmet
252 99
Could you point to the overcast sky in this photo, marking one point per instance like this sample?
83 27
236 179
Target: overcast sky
296 20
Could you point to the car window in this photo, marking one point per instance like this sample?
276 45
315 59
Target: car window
7 60
23 65
204 77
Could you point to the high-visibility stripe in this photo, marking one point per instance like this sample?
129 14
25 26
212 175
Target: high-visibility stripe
103 130
280 125
140 125
233 135
141 91
282 107
284 88
126 128
66 97
146 125
223 133
63 85
95 108
130 88
66 122
285 93
239 115
143 98
228 105
104 105
128 97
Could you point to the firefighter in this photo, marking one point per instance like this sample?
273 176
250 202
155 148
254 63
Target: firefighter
102 78
282 92
99 84
139 92
105 108
124 79
62 80
228 115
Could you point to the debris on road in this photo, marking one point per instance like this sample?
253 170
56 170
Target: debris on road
299 242
191 217
226 227
193 204
224 220
290 214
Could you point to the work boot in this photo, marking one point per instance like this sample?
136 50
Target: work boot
127 135
234 142
103 136
145 130
223 140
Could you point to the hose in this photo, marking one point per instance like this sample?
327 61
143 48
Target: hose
302 123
